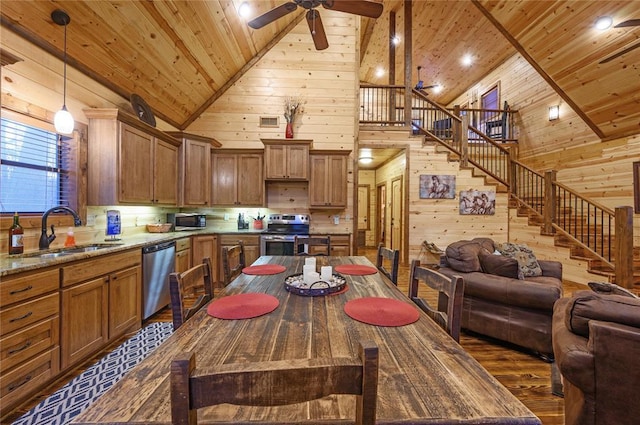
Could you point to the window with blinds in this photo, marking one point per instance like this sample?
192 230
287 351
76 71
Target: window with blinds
490 100
35 168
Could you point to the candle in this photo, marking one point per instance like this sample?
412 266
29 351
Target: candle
325 273
311 261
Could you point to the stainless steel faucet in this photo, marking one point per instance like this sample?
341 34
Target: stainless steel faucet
46 240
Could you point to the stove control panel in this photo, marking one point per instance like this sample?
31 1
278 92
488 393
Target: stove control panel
288 219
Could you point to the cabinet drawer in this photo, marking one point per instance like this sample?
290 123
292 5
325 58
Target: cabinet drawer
29 312
89 269
22 381
230 240
28 342
182 244
28 285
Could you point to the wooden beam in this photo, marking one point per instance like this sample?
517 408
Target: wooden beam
241 72
539 69
408 50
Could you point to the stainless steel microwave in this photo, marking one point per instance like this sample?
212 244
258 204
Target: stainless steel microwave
186 221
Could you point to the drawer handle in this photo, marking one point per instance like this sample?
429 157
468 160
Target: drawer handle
17 291
19 384
17 350
24 316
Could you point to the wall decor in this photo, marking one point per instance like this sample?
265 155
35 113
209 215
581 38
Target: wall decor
478 202
437 186
636 186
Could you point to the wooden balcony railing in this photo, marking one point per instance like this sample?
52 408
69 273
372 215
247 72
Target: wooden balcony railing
605 233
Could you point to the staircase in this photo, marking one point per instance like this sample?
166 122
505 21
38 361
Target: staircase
584 227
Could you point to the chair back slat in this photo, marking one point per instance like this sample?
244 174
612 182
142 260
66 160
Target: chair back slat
190 291
387 262
450 292
233 261
274 383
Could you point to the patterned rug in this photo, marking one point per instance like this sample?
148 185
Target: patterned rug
69 401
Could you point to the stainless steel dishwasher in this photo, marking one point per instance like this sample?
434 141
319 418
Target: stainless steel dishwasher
157 262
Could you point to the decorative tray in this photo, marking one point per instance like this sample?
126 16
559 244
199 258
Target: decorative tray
295 284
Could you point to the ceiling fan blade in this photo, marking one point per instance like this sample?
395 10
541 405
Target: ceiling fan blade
629 23
272 15
620 53
369 9
317 29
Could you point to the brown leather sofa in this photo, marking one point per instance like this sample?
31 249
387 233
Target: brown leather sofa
499 304
596 341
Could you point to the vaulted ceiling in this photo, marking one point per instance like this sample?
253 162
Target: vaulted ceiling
180 56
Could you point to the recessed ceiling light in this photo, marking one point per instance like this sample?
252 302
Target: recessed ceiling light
379 72
395 40
244 10
467 60
604 22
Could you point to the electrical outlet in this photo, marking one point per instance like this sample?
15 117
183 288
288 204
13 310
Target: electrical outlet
336 219
347 217
91 220
226 217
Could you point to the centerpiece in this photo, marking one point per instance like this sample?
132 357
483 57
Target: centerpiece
292 106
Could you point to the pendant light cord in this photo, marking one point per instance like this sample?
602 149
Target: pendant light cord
64 89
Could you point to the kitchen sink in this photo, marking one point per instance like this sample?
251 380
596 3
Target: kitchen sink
61 252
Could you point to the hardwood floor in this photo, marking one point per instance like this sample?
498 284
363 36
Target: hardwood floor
523 373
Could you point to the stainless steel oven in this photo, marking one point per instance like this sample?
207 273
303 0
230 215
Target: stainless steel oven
282 229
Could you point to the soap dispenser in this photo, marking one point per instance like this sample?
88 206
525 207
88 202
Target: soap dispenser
71 239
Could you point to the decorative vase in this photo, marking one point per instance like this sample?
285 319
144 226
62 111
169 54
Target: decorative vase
289 132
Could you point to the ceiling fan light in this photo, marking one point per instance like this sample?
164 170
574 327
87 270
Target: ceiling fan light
604 22
244 10
63 121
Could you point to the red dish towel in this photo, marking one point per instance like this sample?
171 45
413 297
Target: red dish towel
264 269
242 306
381 311
355 269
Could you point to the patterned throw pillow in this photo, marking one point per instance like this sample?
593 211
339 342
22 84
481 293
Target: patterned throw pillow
527 263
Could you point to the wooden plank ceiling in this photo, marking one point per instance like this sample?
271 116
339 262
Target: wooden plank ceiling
181 55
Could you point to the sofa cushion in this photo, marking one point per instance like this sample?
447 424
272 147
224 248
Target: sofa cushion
499 265
463 256
606 288
588 305
527 262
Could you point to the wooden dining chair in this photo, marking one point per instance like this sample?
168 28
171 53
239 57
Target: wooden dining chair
190 291
450 291
274 383
306 245
387 262
233 261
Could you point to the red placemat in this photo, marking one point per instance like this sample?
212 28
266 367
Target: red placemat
242 306
355 269
264 269
381 311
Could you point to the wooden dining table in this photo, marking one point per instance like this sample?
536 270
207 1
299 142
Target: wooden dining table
425 377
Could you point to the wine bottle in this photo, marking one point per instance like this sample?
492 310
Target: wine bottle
16 245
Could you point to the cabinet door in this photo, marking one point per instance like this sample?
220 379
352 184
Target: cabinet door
196 174
205 246
223 179
85 320
135 174
276 162
298 162
183 260
251 253
125 306
165 173
250 182
337 180
318 181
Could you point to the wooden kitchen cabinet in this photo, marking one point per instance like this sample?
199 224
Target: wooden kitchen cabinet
183 255
286 159
340 245
237 178
328 181
29 334
101 300
195 169
202 247
130 162
251 245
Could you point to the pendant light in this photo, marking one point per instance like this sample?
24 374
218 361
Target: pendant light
63 121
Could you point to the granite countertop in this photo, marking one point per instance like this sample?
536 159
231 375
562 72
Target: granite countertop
31 260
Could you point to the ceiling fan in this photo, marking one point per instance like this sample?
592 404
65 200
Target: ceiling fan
369 9
628 23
